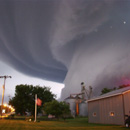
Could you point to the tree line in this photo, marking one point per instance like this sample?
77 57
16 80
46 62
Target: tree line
106 90
24 101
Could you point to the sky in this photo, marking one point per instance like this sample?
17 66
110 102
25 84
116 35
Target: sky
61 43
102 56
18 78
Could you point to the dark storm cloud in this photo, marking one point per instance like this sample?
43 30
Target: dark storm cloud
24 36
47 38
74 21
102 55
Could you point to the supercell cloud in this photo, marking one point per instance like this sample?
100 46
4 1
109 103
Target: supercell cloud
68 40
24 38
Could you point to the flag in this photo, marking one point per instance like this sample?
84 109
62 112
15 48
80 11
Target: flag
39 102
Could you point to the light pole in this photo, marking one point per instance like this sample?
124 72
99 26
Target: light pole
5 77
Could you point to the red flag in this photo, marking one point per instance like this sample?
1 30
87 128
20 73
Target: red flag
39 102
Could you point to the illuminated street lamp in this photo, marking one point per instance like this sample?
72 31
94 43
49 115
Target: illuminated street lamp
5 105
5 77
9 106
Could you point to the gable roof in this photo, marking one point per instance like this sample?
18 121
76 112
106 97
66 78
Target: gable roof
112 93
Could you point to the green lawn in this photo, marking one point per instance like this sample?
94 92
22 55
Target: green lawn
72 124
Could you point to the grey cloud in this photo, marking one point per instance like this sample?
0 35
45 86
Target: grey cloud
85 39
76 19
102 56
114 75
24 37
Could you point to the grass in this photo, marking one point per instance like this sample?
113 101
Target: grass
70 124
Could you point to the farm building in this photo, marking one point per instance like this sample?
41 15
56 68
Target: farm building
74 104
78 102
83 108
110 108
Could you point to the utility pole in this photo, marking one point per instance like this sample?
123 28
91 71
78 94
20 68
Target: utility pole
35 108
8 103
5 77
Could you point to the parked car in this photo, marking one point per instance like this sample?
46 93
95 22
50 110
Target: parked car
127 121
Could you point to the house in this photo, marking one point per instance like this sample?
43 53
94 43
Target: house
110 108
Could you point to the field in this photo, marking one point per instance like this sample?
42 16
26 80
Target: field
70 124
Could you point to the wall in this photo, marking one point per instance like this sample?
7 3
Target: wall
127 103
99 110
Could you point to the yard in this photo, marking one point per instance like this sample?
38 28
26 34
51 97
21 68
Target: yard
70 124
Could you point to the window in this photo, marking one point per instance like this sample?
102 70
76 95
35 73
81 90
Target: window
111 113
94 114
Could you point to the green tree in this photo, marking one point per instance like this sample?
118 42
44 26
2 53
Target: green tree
107 90
65 110
59 109
24 99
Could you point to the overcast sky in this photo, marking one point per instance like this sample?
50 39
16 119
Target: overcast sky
65 41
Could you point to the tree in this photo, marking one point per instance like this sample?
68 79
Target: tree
24 99
107 90
124 86
59 109
65 110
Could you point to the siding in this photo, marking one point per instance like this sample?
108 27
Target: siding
103 107
127 103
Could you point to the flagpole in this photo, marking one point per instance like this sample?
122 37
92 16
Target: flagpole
35 108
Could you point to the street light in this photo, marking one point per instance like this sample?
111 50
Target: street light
5 77
5 105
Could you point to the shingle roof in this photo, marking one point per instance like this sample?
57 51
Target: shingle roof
110 94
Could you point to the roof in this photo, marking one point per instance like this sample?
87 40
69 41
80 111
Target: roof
71 97
112 93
